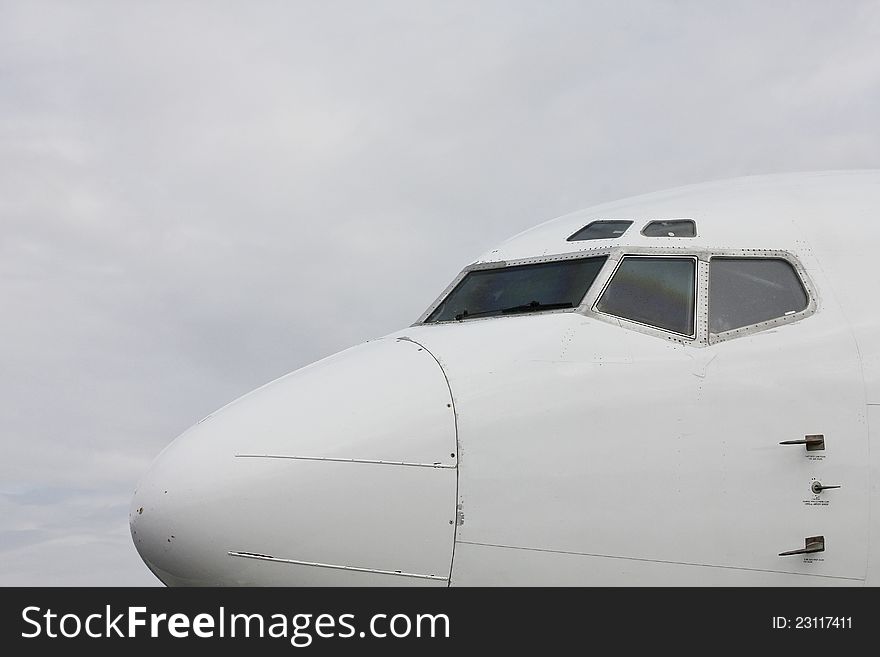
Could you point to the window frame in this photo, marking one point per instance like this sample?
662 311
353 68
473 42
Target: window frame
759 254
629 223
667 237
605 252
615 255
654 256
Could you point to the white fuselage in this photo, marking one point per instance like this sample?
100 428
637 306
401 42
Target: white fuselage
566 447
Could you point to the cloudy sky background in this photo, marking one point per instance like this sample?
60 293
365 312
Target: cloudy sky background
197 197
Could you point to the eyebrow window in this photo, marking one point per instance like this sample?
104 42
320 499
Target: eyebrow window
600 230
672 228
658 292
519 289
746 291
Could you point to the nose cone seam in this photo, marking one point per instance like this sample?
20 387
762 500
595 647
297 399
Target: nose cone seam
344 472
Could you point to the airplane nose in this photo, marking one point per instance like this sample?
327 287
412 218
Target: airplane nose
341 473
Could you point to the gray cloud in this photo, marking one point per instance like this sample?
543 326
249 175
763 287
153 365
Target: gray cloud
198 197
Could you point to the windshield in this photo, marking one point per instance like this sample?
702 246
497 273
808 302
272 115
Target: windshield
519 289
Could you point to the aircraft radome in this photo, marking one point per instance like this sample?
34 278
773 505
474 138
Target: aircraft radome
677 388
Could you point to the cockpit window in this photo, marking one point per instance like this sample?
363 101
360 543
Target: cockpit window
671 228
519 289
746 291
600 230
656 291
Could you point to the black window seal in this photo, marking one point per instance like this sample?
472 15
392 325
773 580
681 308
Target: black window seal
678 256
628 222
764 254
585 304
660 221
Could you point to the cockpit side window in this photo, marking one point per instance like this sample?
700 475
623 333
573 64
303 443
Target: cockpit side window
747 291
656 291
600 230
519 289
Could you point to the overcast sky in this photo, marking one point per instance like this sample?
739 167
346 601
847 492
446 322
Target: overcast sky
197 197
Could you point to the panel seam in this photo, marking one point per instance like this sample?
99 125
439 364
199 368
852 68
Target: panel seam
344 460
314 564
455 517
663 561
